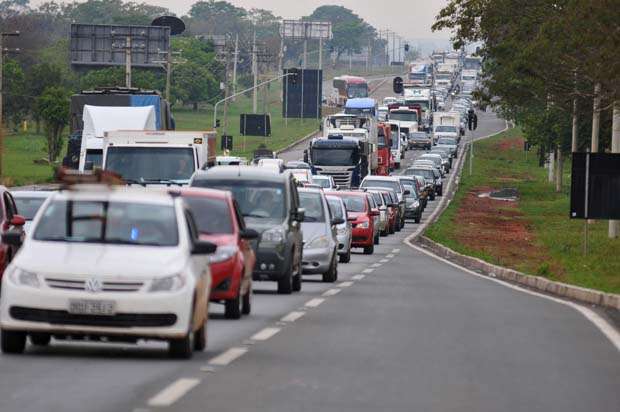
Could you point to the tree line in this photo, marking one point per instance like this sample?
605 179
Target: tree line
552 66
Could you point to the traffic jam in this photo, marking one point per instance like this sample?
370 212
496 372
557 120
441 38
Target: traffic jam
148 230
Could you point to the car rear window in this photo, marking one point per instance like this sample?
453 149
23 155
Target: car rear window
212 216
354 203
382 183
312 203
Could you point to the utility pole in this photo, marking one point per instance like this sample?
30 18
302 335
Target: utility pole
236 57
128 61
304 64
318 80
596 118
393 46
368 57
3 50
614 225
167 65
574 145
281 63
400 49
255 72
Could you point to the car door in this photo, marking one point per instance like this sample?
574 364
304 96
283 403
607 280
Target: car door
9 210
296 234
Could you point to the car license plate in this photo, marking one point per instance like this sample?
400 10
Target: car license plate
92 307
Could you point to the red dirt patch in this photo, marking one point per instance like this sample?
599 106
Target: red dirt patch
497 228
509 144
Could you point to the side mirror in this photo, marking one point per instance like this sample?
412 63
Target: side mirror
306 155
337 221
89 166
249 234
383 207
13 238
202 247
407 192
299 214
18 220
374 212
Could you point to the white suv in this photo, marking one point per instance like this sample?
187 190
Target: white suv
109 264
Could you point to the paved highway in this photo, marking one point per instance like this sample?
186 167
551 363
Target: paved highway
400 331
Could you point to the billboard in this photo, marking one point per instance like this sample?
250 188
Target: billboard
302 94
106 45
306 30
595 186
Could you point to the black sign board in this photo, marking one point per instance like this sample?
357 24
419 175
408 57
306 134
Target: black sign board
302 93
595 186
226 142
255 125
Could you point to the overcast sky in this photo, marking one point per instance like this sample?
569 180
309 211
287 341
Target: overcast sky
411 19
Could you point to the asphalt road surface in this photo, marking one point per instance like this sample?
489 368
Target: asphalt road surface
400 331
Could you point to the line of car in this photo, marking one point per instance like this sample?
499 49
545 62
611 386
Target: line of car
103 262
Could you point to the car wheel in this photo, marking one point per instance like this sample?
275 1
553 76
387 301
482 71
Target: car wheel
40 339
332 274
246 305
392 229
346 258
385 232
285 285
232 307
12 342
369 250
376 239
200 338
296 277
397 165
181 348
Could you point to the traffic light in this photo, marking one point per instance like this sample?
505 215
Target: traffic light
397 85
217 123
472 120
227 142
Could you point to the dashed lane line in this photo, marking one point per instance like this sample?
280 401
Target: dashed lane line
389 255
395 250
375 265
228 356
331 292
368 270
265 334
358 277
384 260
293 316
173 392
313 303
345 284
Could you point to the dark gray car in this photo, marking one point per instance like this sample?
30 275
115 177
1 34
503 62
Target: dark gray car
269 203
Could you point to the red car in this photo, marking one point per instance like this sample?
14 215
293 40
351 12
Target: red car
219 221
362 219
9 220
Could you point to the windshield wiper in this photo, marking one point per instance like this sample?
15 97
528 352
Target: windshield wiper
134 182
167 182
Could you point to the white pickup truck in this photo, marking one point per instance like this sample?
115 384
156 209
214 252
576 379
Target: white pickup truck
158 157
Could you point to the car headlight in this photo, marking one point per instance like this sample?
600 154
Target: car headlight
24 278
318 242
275 235
223 253
364 225
167 284
342 231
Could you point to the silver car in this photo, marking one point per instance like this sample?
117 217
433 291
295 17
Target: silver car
383 212
28 203
344 231
376 222
320 249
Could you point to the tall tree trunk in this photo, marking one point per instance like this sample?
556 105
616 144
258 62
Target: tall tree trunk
614 225
596 118
559 170
551 164
195 106
574 145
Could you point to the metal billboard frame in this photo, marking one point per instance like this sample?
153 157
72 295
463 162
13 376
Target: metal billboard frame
306 30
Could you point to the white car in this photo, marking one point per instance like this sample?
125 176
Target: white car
326 182
109 264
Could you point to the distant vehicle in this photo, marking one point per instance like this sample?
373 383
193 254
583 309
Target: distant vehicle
349 87
431 176
361 106
230 161
413 206
344 230
384 149
362 219
302 176
383 212
276 165
449 143
218 220
377 219
382 113
326 182
420 140
320 255
392 183
28 203
447 124
11 222
158 157
151 280
296 164
438 160
269 203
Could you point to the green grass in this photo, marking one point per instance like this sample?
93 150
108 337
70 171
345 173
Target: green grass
546 213
20 152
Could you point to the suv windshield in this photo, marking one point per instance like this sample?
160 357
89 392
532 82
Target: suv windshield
212 216
395 186
151 164
312 203
108 222
257 199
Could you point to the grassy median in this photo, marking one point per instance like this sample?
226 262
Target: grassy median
533 234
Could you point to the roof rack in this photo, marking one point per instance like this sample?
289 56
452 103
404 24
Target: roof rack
69 178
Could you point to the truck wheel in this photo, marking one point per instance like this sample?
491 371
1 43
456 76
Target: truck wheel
369 250
40 339
232 307
12 342
246 305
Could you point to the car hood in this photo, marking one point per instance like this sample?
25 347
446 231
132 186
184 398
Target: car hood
74 259
312 230
260 225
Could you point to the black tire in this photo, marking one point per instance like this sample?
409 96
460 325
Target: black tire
346 258
12 342
417 219
285 284
392 229
332 274
40 339
296 276
433 196
385 232
369 250
440 192
181 348
397 165
376 240
232 307
200 339
246 304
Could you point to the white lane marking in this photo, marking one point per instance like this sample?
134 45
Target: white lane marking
608 330
375 265
395 250
358 277
293 316
228 356
345 284
389 255
265 334
331 292
368 270
384 260
173 392
313 303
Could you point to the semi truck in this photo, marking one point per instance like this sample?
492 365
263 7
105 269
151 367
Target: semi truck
420 98
86 127
446 124
384 152
158 157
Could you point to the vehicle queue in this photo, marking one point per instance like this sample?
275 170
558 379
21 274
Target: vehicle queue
103 261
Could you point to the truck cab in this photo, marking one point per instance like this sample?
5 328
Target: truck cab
345 159
158 157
